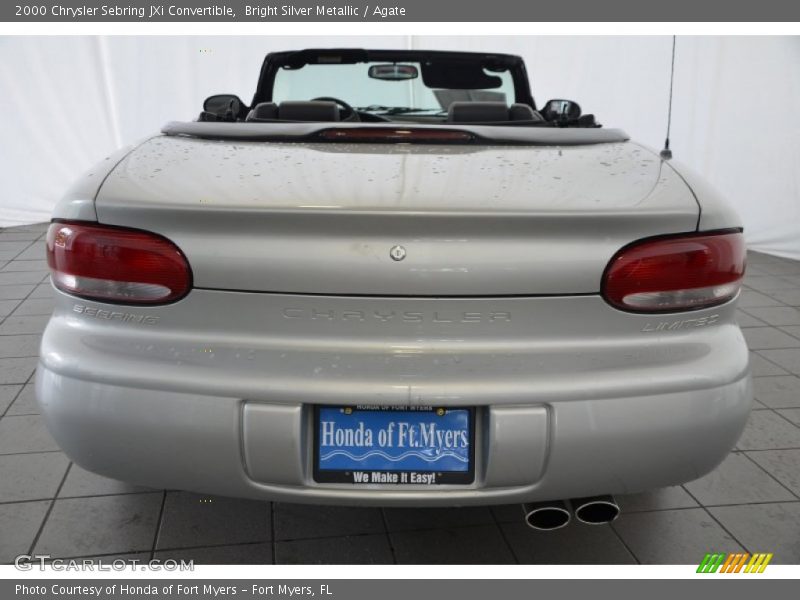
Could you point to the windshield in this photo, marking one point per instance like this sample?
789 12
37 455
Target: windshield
353 84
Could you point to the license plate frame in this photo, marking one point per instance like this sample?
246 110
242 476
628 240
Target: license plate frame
399 476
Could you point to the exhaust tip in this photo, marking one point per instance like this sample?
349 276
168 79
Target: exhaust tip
546 516
597 510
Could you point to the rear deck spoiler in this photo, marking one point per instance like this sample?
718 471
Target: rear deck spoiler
394 133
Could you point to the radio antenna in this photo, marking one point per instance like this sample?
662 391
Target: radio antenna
666 153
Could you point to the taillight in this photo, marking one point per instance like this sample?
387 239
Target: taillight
676 273
117 265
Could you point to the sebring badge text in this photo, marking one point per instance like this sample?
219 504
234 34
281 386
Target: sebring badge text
114 315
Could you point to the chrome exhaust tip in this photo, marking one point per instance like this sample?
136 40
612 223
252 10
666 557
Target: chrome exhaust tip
596 510
546 516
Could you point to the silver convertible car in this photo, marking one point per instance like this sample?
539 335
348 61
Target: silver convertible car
392 280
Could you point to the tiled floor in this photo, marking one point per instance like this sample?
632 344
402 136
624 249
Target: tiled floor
48 505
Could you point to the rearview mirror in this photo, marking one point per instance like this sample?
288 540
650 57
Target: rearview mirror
226 107
393 72
561 110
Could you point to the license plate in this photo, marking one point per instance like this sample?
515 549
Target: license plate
394 445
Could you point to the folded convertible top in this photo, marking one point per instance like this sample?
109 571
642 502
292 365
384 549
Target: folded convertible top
395 133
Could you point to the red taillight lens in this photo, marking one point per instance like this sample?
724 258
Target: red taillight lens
676 273
117 265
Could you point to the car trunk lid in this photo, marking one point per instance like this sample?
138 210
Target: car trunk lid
396 219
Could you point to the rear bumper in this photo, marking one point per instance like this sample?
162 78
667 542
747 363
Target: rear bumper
215 393
228 446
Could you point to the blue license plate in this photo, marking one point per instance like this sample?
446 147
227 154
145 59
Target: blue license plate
394 445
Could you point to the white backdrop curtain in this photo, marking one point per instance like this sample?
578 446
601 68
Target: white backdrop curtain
68 101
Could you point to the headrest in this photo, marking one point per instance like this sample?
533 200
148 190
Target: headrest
490 112
308 111
523 112
477 112
263 110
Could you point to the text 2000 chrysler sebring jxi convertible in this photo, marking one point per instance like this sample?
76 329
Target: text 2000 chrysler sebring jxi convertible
392 280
